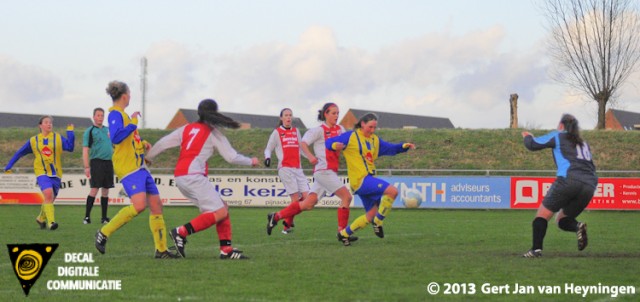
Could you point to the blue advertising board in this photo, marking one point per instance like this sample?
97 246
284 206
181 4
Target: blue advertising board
477 192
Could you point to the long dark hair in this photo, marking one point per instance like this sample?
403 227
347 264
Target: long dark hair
365 119
281 113
324 110
208 114
573 130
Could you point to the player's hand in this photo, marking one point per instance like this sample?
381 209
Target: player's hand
254 162
136 114
267 162
526 133
87 172
147 162
313 160
147 146
8 171
338 146
410 146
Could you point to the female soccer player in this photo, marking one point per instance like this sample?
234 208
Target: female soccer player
46 147
325 171
361 147
574 186
286 141
129 166
197 142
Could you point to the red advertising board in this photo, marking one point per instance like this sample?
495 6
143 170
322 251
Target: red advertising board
611 193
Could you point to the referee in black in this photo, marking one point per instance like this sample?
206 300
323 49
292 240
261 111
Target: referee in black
574 186
97 152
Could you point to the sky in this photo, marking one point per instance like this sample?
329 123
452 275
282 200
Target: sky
458 59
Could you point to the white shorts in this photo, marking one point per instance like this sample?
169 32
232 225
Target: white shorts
325 182
200 191
293 180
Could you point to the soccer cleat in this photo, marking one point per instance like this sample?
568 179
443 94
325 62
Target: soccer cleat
165 255
288 229
86 220
377 229
42 224
179 241
105 220
346 241
235 254
101 242
53 226
271 223
582 236
533 254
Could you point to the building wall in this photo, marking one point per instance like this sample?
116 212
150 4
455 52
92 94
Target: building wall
177 121
349 120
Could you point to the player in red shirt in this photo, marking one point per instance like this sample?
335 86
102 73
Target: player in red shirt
197 142
325 171
285 140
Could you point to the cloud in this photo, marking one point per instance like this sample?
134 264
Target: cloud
20 83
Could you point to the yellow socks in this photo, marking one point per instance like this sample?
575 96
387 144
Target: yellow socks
49 212
357 224
42 217
159 231
125 215
385 207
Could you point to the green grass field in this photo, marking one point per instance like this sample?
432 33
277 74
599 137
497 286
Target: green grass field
421 246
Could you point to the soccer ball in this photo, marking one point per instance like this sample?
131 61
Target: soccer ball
411 198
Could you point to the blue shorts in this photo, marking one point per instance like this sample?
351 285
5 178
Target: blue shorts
139 182
46 182
371 191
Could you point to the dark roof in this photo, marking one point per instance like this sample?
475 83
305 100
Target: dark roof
20 120
626 119
399 121
256 121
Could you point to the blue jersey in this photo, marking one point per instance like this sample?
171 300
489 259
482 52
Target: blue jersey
572 161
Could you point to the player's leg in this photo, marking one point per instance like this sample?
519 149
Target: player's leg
551 204
91 199
104 205
50 187
566 218
345 207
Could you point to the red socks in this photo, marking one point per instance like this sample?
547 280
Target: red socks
343 218
292 210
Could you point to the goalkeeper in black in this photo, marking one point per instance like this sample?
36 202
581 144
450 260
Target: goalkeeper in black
574 186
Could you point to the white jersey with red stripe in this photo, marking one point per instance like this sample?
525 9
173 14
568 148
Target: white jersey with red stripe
286 143
197 142
327 159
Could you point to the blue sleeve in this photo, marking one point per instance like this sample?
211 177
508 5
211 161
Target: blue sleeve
342 138
542 142
390 149
69 142
116 127
26 149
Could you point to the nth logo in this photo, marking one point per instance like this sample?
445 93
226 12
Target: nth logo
528 191
28 261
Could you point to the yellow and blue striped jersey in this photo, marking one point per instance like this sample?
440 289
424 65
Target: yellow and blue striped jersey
360 153
47 150
128 152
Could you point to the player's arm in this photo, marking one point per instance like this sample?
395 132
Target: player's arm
271 144
168 141
24 150
227 152
538 143
302 151
116 127
307 140
338 143
387 148
69 142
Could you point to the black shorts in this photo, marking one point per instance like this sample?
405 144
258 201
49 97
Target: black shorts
570 196
101 173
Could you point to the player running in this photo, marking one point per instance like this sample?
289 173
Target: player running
325 171
361 147
47 165
285 140
573 188
197 142
129 166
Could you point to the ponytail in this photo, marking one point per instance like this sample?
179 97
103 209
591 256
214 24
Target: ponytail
573 130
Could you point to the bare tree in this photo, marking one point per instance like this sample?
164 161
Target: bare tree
595 45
